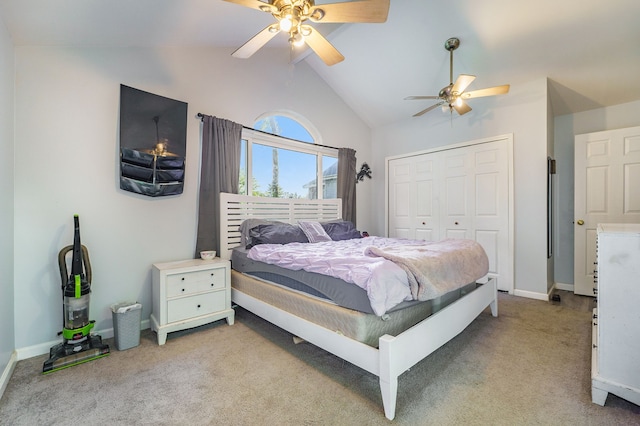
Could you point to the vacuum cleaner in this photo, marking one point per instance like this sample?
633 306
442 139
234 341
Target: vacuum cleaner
78 344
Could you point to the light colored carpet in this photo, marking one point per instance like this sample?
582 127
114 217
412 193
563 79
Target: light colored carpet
529 366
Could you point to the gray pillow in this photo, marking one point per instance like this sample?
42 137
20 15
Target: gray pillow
341 230
277 233
246 226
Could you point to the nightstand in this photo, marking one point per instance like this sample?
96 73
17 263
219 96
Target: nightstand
190 293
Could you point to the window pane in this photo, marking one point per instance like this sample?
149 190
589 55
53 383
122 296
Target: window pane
329 177
285 127
283 173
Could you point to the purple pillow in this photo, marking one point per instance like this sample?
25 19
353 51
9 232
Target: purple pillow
314 232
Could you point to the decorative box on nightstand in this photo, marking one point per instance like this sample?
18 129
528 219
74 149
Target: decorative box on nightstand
190 293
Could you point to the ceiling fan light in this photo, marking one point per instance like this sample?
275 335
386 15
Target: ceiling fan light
459 101
296 39
446 108
286 24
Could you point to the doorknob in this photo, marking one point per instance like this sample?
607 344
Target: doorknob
580 222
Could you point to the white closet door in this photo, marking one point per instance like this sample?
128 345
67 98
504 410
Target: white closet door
456 193
491 210
413 205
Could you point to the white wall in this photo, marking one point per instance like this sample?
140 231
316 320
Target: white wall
566 127
522 112
6 200
66 146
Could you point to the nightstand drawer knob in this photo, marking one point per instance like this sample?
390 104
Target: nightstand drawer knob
183 289
182 278
198 306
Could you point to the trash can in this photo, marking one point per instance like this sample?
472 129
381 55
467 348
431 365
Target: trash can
126 324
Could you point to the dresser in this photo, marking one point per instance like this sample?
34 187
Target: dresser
616 320
190 293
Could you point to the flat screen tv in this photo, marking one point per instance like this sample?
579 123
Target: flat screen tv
153 143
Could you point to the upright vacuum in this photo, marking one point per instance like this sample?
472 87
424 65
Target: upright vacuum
78 345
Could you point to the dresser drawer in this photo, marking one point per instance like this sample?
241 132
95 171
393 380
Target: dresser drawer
190 307
195 282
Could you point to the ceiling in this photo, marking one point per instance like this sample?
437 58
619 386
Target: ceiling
589 49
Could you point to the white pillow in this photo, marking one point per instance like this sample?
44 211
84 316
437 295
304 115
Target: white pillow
314 232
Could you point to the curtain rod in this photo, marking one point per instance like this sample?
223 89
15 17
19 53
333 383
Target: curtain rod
201 117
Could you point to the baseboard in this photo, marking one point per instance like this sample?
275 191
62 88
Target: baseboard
531 295
43 348
8 372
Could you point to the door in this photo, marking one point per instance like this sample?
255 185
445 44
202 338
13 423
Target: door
461 192
607 190
413 203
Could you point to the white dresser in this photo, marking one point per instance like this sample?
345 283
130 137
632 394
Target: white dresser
190 293
615 366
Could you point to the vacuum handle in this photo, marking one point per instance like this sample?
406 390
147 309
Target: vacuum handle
62 263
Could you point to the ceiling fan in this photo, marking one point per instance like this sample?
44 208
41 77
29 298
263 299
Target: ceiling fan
453 96
292 15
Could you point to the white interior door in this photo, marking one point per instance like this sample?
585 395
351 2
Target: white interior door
607 190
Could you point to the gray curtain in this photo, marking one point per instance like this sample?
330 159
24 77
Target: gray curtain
220 171
347 182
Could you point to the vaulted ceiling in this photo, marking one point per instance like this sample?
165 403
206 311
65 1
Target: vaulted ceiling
589 49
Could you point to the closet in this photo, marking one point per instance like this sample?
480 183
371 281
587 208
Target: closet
461 191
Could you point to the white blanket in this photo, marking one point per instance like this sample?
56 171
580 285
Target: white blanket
386 283
434 269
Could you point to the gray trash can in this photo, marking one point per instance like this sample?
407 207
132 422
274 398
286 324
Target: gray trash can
126 324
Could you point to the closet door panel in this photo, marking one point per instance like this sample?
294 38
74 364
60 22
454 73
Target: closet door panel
427 209
456 216
400 190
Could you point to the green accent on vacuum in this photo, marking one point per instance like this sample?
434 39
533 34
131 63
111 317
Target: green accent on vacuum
78 286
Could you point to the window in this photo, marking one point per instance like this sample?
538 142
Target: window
280 159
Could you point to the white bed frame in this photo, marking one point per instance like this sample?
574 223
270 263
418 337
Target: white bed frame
394 355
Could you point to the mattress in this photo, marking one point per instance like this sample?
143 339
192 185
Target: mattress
364 327
336 290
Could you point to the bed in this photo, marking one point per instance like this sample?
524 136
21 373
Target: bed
386 348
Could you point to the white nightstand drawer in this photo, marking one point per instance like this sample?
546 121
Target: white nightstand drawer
195 282
189 307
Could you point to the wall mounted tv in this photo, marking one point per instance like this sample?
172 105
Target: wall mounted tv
153 143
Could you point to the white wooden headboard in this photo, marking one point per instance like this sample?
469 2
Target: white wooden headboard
235 208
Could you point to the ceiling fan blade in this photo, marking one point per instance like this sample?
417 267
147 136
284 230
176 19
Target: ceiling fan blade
321 46
255 4
461 106
259 40
463 81
424 111
491 91
354 11
409 98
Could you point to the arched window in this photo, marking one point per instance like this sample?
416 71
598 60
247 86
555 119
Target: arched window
282 159
286 127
